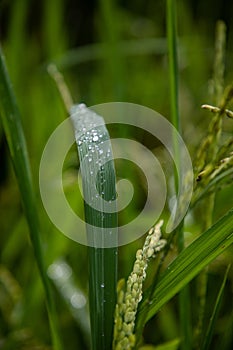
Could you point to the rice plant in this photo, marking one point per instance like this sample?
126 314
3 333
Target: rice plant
164 291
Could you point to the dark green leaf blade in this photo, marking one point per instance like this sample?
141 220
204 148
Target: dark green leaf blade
215 313
99 191
188 264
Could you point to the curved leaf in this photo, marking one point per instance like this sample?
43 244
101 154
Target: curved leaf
13 129
187 265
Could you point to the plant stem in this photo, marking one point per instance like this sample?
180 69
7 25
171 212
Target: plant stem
184 297
18 151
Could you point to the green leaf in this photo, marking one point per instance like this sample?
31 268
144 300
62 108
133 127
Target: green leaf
18 150
213 318
99 191
187 265
184 295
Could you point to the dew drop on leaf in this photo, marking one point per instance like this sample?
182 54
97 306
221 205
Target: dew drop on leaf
95 138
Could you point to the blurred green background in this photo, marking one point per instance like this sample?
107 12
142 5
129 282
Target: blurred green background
107 51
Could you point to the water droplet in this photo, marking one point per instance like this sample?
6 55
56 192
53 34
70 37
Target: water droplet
82 106
79 143
102 285
101 151
95 138
89 160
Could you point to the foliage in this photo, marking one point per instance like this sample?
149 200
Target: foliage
114 51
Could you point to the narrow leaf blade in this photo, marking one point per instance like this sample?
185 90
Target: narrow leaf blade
215 313
188 264
99 190
18 150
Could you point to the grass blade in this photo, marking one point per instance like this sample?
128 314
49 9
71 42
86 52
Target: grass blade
188 264
209 333
184 296
98 179
173 62
16 141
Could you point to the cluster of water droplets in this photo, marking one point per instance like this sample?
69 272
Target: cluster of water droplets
94 152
